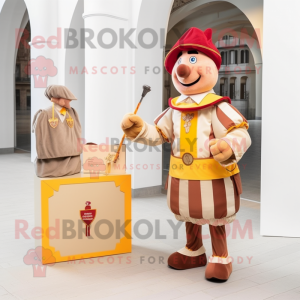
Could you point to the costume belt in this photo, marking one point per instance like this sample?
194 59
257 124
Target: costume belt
199 169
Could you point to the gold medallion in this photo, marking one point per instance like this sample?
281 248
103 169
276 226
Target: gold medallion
187 159
53 122
70 122
187 118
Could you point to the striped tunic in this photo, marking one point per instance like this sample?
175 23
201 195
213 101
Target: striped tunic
202 202
214 202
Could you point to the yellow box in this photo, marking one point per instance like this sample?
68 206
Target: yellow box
62 210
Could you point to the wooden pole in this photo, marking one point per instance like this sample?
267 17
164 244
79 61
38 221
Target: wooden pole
146 90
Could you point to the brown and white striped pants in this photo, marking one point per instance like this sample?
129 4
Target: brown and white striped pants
213 202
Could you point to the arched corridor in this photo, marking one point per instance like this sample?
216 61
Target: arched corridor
23 92
13 19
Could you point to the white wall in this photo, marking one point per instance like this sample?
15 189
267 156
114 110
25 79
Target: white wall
280 203
1 4
105 94
76 58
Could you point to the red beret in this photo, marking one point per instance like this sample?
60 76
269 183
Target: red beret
194 39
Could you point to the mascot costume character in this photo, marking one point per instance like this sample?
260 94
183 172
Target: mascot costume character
208 137
57 130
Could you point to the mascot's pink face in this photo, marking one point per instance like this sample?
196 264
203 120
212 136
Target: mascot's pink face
194 73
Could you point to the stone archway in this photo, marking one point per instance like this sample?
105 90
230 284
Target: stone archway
23 91
13 15
253 11
227 17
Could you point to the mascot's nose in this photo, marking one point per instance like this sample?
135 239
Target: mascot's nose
183 71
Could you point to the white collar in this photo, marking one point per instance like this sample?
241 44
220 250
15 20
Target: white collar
197 98
58 108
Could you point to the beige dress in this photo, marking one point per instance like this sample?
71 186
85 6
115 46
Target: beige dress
57 148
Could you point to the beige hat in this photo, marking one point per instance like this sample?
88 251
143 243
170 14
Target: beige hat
59 91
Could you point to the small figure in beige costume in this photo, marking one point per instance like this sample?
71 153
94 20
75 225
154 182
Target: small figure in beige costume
57 131
208 137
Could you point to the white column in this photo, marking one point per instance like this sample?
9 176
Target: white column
108 97
280 203
107 69
43 20
258 89
238 86
48 20
74 56
153 15
226 86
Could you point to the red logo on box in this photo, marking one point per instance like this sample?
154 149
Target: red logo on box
88 216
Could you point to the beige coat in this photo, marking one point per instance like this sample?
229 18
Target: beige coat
57 148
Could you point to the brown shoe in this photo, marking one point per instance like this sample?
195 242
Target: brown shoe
218 271
183 262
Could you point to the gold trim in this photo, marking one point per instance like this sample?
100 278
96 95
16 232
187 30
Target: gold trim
243 124
47 191
232 169
207 100
53 121
162 134
200 169
191 45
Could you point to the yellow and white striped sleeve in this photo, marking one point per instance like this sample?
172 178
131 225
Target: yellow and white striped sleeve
231 126
159 133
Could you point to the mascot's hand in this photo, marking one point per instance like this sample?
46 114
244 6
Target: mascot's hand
220 150
132 125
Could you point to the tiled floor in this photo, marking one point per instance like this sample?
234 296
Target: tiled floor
264 267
